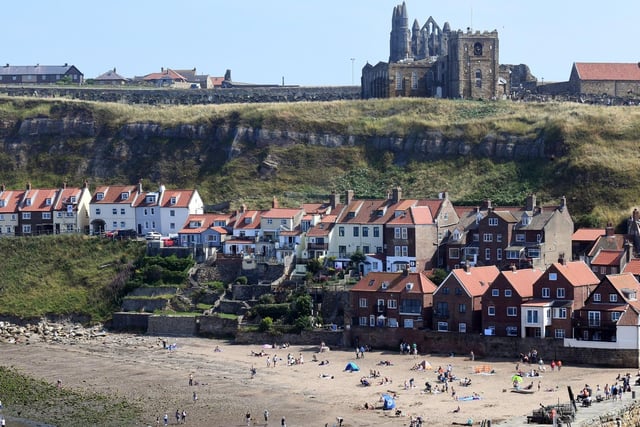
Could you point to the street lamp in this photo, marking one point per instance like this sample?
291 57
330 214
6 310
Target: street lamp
352 64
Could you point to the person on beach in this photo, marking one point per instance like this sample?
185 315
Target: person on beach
248 417
266 416
166 419
283 422
195 397
177 416
184 416
190 379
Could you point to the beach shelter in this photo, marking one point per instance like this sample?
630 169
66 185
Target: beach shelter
388 402
351 367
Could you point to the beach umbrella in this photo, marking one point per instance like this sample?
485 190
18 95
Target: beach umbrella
516 379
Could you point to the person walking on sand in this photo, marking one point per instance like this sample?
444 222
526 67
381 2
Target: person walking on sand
195 397
177 416
190 379
283 422
184 416
266 416
166 420
248 417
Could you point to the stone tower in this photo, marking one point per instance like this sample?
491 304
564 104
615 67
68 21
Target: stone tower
400 40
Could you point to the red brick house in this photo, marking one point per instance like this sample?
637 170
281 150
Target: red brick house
562 289
35 212
501 303
457 303
612 304
392 300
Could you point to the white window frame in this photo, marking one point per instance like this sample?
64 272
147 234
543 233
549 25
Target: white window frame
362 303
493 222
495 292
512 311
392 304
559 333
597 297
560 293
613 297
491 310
546 292
487 237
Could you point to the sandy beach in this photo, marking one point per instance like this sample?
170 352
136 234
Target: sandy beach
139 369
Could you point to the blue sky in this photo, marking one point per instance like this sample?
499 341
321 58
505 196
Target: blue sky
304 42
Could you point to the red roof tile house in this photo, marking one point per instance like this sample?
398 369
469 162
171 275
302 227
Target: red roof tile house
611 313
583 241
113 207
9 201
457 303
501 303
392 300
211 230
35 212
562 289
613 79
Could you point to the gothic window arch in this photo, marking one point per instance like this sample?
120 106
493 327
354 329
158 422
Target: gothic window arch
477 49
478 77
398 80
414 80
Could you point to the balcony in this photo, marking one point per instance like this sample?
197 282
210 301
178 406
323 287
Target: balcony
317 246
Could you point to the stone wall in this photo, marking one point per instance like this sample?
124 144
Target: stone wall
189 96
138 322
172 325
218 327
311 338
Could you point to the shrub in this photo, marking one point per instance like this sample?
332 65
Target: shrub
242 280
266 324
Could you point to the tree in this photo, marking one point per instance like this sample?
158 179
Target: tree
314 265
302 306
438 276
357 257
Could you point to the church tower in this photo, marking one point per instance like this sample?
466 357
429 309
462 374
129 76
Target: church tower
400 43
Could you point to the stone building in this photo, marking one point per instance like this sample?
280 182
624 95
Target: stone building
431 61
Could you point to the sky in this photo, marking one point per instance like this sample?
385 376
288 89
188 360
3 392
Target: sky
303 42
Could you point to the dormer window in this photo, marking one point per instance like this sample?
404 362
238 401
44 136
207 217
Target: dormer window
27 202
47 201
173 201
124 195
526 219
2 203
247 220
351 215
151 199
195 224
73 200
99 196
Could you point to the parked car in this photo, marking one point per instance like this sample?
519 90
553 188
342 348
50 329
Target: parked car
168 241
153 235
127 234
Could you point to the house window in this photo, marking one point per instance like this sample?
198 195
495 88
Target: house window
1 217
122 211
442 309
172 212
269 221
454 253
396 233
341 231
487 237
443 326
398 80
597 297
462 328
114 211
603 270
532 316
495 292
46 215
613 297
173 201
376 231
553 276
559 333
47 201
392 304
362 303
491 310
414 80
122 224
372 320
512 311
26 215
153 211
546 292
499 238
462 308
365 249
560 293
365 231
356 231
404 233
363 321
487 254
405 251
146 225
615 315
458 291
26 228
397 250
560 313
27 202
98 211
393 322
507 293
499 254
512 331
114 225
478 78
594 318
533 253
493 222
172 226
410 306
520 237
445 291
124 195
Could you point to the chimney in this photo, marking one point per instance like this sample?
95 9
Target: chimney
636 215
274 203
467 268
349 197
162 69
3 188
334 200
531 203
561 259
397 194
64 184
114 69
563 203
486 205
140 186
629 248
609 231
243 208
28 186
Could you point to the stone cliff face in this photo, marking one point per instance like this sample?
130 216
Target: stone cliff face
79 147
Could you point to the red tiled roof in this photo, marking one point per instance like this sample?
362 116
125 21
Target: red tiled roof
477 280
522 280
633 267
395 282
166 74
112 194
183 197
624 281
608 71
38 197
588 234
280 213
11 200
577 273
605 257
65 197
